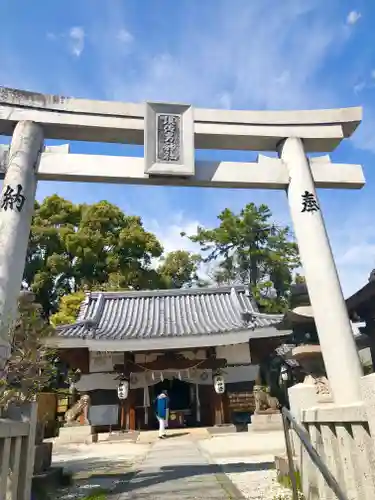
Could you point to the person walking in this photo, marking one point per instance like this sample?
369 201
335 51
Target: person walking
162 411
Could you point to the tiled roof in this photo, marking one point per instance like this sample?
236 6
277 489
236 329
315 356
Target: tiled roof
166 314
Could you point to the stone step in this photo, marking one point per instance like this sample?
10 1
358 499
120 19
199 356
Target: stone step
109 437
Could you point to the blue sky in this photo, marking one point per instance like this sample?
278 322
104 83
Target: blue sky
239 54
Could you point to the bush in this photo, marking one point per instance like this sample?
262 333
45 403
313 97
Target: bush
31 364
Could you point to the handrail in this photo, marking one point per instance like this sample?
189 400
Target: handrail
289 422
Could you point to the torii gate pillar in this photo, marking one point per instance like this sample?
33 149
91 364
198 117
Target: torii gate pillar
16 211
332 322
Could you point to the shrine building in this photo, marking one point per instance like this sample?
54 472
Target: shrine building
169 339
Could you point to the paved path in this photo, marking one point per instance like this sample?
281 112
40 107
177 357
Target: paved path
175 468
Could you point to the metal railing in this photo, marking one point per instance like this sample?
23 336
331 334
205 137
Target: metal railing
289 422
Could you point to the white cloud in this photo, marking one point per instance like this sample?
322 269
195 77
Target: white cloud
353 17
232 63
124 36
364 137
358 87
76 40
225 100
169 233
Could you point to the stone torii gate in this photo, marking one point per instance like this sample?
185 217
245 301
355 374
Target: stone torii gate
170 134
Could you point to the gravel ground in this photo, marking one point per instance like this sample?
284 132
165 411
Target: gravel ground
253 477
248 460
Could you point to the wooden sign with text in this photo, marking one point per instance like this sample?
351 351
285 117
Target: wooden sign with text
241 401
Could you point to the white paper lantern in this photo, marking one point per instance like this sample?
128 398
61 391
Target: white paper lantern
123 389
219 384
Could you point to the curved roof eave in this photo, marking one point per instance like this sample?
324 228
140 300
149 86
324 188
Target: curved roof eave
157 343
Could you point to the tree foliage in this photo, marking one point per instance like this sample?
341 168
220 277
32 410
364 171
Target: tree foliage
179 269
78 247
30 368
95 246
251 249
68 309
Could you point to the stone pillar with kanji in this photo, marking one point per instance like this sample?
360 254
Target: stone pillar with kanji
330 313
16 210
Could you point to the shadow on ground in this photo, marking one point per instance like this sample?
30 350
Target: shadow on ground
166 474
116 475
94 465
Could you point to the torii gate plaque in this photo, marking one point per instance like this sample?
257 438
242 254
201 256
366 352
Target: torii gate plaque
170 133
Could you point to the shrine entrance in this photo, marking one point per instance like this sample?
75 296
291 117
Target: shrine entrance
179 393
181 401
170 134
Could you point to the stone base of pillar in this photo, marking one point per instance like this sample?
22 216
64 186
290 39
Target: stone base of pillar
368 395
266 422
301 397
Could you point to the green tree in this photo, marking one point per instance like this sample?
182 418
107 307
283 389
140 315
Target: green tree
179 269
75 246
251 249
68 309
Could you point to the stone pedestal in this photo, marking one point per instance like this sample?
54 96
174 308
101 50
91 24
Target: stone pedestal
76 434
266 422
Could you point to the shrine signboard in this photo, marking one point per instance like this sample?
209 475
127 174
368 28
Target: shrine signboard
241 401
169 140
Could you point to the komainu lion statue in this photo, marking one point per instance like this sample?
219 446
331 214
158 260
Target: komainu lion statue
81 406
264 402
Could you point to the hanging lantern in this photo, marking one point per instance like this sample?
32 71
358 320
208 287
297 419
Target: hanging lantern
123 389
219 384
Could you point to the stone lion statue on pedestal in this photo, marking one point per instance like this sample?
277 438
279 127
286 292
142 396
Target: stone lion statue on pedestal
264 402
79 408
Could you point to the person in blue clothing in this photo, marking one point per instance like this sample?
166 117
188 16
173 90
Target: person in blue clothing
162 411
